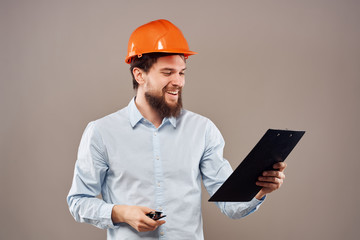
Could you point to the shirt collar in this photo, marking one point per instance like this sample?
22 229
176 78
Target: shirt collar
172 120
135 116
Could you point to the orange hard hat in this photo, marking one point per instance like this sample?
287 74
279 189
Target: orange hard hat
157 36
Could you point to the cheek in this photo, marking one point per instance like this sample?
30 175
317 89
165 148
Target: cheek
160 85
154 87
156 83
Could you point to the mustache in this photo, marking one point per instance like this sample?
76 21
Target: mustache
166 88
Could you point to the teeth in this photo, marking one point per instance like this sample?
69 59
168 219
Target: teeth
172 92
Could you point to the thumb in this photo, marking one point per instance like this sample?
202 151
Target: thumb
146 209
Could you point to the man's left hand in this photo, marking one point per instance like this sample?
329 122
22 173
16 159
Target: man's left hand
271 180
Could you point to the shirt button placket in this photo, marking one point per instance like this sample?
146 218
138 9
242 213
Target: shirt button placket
158 178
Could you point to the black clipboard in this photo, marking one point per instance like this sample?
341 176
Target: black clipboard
273 147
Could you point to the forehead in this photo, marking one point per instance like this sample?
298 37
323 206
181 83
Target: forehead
175 62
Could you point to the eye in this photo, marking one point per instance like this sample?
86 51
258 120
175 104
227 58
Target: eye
182 73
167 73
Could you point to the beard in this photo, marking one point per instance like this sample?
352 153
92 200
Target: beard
159 104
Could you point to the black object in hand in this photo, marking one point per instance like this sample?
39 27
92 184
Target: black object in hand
155 215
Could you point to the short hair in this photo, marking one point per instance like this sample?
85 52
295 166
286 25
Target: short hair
146 61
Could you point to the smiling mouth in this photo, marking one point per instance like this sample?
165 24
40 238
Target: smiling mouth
173 92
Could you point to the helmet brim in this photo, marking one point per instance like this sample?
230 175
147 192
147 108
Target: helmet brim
128 59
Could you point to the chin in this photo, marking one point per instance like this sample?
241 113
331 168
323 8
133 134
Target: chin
172 103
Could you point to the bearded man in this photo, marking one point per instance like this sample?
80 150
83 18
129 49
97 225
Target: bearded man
152 155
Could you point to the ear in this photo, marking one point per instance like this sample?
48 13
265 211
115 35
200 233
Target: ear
139 75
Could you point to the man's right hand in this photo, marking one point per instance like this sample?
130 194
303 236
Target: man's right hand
136 217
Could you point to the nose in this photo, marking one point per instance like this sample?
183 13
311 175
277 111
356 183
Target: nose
178 80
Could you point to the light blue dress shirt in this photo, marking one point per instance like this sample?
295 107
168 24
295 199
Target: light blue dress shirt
128 161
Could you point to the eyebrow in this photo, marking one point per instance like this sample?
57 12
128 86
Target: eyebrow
171 69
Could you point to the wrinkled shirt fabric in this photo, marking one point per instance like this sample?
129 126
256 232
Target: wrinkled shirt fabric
129 161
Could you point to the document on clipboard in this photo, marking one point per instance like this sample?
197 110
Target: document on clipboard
273 147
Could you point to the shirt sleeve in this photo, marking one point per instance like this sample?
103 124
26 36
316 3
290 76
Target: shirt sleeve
90 170
215 170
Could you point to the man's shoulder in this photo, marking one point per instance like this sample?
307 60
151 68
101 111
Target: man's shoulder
117 117
189 116
197 120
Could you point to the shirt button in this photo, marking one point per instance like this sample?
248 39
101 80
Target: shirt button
157 158
162 233
158 184
155 133
160 208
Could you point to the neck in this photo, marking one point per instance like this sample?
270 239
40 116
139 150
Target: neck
147 111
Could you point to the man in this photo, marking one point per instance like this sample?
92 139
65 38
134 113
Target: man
153 154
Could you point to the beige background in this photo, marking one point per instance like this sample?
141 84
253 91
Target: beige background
262 64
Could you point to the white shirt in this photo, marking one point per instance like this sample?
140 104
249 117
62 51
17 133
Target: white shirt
128 161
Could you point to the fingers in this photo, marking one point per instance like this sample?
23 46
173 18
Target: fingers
147 224
136 217
280 166
272 180
160 222
276 177
145 209
276 174
269 184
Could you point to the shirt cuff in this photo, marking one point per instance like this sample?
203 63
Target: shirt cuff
259 201
255 203
106 209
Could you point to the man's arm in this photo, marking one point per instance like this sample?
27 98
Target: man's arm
90 170
215 170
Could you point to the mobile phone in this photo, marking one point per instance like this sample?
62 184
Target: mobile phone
155 215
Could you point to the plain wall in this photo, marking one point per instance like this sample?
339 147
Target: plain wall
261 64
